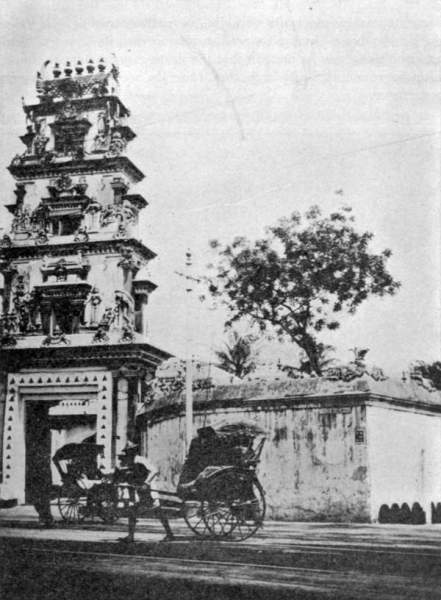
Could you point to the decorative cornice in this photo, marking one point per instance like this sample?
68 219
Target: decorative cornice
38 170
83 104
143 287
137 200
48 292
111 356
111 246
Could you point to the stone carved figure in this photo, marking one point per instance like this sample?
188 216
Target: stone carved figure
129 214
101 142
121 233
128 333
56 339
91 213
28 139
108 215
121 315
8 329
117 144
67 111
6 241
22 221
81 235
40 139
92 305
60 270
41 238
101 122
104 326
129 261
63 183
23 302
124 308
39 219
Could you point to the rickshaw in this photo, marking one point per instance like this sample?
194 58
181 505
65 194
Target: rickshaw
84 490
222 495
218 495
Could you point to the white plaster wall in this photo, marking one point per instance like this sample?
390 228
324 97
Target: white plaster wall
311 468
404 457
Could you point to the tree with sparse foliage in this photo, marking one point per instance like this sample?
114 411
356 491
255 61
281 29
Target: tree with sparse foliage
301 277
238 354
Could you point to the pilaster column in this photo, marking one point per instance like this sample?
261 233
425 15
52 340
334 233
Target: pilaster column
133 388
3 380
104 419
122 405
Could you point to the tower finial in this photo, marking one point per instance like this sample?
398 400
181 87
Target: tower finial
68 69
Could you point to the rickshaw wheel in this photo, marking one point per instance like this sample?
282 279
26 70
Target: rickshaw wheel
249 513
218 518
72 505
194 517
237 512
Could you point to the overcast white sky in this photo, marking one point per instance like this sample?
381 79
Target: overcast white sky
248 110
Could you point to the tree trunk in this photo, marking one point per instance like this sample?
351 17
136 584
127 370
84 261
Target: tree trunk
309 345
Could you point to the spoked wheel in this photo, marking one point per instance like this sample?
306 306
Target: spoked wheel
194 517
236 507
248 512
72 504
218 517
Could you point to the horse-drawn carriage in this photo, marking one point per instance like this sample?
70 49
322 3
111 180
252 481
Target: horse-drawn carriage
218 495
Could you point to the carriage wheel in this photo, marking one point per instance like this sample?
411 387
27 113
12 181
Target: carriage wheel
248 513
72 505
239 514
218 518
194 517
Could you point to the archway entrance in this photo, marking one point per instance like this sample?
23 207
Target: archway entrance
38 450
73 398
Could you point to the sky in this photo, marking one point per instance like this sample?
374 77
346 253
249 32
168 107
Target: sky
246 111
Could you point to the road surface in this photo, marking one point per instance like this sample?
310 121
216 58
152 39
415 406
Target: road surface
285 560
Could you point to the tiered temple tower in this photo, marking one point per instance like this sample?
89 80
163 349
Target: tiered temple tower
73 330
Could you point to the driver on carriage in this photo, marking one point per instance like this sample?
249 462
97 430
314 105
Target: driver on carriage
133 478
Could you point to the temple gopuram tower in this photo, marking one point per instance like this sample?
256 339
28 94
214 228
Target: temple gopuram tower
73 333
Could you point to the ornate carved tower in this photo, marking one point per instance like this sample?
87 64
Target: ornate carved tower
72 330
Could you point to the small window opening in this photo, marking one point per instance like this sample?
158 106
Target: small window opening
66 225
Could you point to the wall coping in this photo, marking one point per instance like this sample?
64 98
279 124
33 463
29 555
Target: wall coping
281 395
